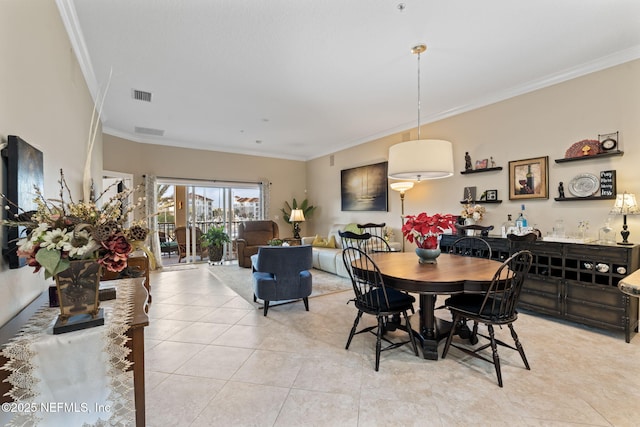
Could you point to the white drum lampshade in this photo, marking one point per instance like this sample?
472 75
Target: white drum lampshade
421 159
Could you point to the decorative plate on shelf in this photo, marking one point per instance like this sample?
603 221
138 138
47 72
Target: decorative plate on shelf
586 147
584 185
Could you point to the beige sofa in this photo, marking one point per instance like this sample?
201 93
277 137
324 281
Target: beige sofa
329 259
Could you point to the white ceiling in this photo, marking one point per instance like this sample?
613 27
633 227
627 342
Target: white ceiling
310 77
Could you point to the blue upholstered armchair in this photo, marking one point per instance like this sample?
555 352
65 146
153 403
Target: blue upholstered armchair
282 273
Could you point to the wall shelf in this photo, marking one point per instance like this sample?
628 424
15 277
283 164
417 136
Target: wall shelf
596 156
572 199
497 168
480 201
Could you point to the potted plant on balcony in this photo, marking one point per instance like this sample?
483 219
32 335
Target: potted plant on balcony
214 238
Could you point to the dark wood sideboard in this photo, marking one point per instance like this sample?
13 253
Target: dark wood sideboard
575 282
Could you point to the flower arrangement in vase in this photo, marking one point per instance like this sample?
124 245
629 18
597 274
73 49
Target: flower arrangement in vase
474 212
425 230
72 242
60 231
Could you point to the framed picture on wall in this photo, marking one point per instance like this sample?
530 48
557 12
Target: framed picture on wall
492 194
24 166
529 178
364 188
482 164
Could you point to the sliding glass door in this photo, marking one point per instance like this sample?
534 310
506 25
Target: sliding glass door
200 205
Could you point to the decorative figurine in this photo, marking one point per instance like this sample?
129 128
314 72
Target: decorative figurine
493 164
467 162
561 190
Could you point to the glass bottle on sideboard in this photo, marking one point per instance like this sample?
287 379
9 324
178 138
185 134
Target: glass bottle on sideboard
508 226
521 221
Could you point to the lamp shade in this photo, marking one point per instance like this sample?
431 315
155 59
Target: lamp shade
296 215
625 204
421 159
402 186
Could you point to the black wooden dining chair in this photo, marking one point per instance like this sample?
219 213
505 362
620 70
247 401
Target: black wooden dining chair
471 246
368 242
349 239
497 306
529 237
374 298
468 246
483 230
373 229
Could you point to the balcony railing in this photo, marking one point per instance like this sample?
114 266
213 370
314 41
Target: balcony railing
169 227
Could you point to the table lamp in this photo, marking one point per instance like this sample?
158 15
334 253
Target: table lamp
296 217
625 205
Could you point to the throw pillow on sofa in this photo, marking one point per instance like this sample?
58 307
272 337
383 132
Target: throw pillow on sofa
353 227
321 242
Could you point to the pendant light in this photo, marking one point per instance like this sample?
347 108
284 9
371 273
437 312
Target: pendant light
420 159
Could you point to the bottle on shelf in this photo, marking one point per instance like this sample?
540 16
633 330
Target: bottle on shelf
521 221
508 226
530 182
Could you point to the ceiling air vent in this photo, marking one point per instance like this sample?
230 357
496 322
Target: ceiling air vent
141 95
149 131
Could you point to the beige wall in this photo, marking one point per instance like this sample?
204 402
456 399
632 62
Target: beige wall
45 101
542 123
287 177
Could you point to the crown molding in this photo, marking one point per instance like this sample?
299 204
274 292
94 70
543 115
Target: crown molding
70 20
608 61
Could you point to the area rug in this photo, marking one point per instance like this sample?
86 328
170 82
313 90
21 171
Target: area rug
178 267
239 279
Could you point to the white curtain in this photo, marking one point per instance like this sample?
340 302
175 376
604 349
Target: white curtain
265 193
151 193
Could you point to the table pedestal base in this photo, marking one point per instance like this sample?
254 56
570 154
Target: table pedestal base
434 329
428 342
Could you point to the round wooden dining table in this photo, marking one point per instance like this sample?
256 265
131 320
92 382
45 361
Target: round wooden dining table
452 274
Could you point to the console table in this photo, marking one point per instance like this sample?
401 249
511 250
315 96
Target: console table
134 304
575 282
292 241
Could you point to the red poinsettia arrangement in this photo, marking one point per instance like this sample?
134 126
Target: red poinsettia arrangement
424 229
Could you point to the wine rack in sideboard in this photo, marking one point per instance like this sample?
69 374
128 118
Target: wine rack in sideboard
575 282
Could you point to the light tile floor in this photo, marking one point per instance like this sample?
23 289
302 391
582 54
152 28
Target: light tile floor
212 359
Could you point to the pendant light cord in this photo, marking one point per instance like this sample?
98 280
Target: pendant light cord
419 95
418 49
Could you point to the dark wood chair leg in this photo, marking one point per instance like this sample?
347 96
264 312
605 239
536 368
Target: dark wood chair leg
379 341
266 307
353 329
410 332
456 319
306 303
519 346
494 350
